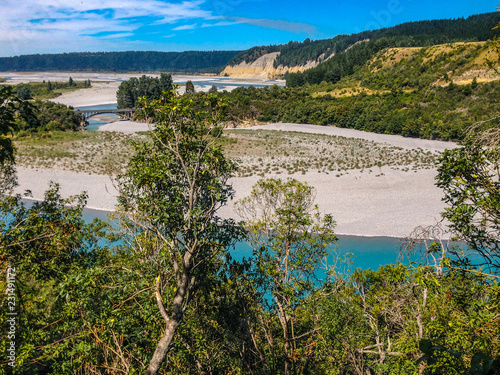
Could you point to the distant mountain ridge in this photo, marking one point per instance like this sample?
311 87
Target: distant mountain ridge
296 57
131 61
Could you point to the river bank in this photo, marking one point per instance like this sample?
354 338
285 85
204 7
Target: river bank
388 202
105 85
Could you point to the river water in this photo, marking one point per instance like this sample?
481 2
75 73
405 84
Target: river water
363 252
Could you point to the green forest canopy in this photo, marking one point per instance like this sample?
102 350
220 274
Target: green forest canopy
131 61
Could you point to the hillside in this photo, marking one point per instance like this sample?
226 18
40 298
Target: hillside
432 92
132 61
329 55
416 68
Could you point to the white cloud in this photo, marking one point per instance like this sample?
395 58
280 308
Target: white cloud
222 23
117 35
42 26
184 27
48 24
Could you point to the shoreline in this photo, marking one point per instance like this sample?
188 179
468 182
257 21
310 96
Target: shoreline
391 204
107 212
386 203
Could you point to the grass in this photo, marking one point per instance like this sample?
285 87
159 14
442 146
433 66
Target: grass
279 152
258 152
91 152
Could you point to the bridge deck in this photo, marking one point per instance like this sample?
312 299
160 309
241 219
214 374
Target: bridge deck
92 112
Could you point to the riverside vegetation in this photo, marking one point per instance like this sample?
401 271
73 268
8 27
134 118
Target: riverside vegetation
49 90
257 152
169 299
421 92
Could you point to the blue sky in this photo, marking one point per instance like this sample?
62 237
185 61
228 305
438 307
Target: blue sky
54 26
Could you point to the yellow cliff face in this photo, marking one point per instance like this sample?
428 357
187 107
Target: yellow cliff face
260 73
263 68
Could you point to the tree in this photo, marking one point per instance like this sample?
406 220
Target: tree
71 82
189 87
10 105
171 194
125 95
469 177
130 91
23 91
290 239
44 243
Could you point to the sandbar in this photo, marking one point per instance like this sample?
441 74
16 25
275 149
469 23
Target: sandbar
389 202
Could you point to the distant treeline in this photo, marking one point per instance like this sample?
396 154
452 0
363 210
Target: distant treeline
181 62
433 113
421 33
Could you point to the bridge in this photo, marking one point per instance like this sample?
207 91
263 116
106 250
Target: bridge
93 112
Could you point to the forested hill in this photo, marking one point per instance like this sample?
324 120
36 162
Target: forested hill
413 34
137 61
421 33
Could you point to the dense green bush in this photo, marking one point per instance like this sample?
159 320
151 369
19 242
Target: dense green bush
435 113
49 116
129 92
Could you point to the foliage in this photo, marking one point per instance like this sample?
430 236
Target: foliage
43 243
412 34
172 191
50 116
84 308
189 87
48 90
23 91
129 92
11 107
433 113
420 33
290 240
469 177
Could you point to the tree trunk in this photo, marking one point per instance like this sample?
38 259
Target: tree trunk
162 349
171 323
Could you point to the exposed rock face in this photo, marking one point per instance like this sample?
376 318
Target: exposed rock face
263 68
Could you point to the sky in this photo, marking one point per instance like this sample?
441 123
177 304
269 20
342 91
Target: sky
56 26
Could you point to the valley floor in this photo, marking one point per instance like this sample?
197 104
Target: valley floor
382 201
388 202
